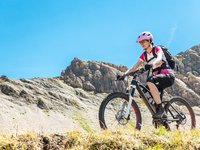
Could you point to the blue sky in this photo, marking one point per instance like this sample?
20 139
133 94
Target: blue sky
39 38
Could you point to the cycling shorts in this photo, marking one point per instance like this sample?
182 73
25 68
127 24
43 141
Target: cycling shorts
162 81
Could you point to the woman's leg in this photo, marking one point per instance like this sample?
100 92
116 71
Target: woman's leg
156 95
154 92
161 81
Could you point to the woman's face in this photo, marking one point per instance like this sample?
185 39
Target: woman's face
144 44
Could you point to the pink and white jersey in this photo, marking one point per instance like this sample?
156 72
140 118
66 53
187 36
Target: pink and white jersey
151 57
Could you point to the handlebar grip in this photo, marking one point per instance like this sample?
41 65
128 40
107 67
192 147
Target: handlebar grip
137 72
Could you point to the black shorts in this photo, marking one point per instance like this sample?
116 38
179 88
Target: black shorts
162 81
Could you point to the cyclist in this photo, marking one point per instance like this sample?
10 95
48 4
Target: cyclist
162 75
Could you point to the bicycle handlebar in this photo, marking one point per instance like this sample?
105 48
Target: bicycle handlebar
137 72
133 74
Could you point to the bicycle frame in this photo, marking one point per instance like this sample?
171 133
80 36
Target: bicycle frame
123 105
136 85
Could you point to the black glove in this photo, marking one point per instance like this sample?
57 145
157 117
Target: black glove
147 67
121 77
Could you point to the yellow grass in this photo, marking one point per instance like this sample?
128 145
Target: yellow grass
105 140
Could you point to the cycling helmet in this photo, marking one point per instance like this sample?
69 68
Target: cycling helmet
146 35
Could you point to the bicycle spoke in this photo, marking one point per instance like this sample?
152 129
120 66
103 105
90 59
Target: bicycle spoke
114 114
180 115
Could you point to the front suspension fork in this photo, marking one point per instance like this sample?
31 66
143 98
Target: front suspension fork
131 94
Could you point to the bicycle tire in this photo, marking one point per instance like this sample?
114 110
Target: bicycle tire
182 101
111 97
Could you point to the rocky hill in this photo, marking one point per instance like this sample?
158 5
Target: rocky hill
46 105
72 100
187 83
93 76
189 61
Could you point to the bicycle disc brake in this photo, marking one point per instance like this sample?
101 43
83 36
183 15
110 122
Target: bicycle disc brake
120 117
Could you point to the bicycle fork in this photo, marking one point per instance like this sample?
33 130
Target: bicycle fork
131 94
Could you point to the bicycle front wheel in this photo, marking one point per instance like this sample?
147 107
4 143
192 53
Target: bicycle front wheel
180 115
112 112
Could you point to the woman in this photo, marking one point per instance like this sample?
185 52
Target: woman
162 76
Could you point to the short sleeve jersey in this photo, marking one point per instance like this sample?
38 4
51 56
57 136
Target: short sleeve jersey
151 56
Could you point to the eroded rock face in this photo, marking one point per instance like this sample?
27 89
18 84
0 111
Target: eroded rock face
182 90
189 61
46 104
93 76
187 84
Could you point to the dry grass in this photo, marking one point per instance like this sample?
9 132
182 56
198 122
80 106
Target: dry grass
82 121
105 140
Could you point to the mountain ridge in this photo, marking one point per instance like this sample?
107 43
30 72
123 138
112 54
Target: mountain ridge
72 100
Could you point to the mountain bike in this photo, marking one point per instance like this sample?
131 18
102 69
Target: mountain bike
120 109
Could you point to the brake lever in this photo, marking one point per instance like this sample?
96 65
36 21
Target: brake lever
142 70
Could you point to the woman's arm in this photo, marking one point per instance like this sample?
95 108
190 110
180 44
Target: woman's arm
135 67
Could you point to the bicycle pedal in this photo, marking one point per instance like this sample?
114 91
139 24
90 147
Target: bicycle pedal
157 119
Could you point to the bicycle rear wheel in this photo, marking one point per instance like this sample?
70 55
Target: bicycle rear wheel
112 112
180 115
